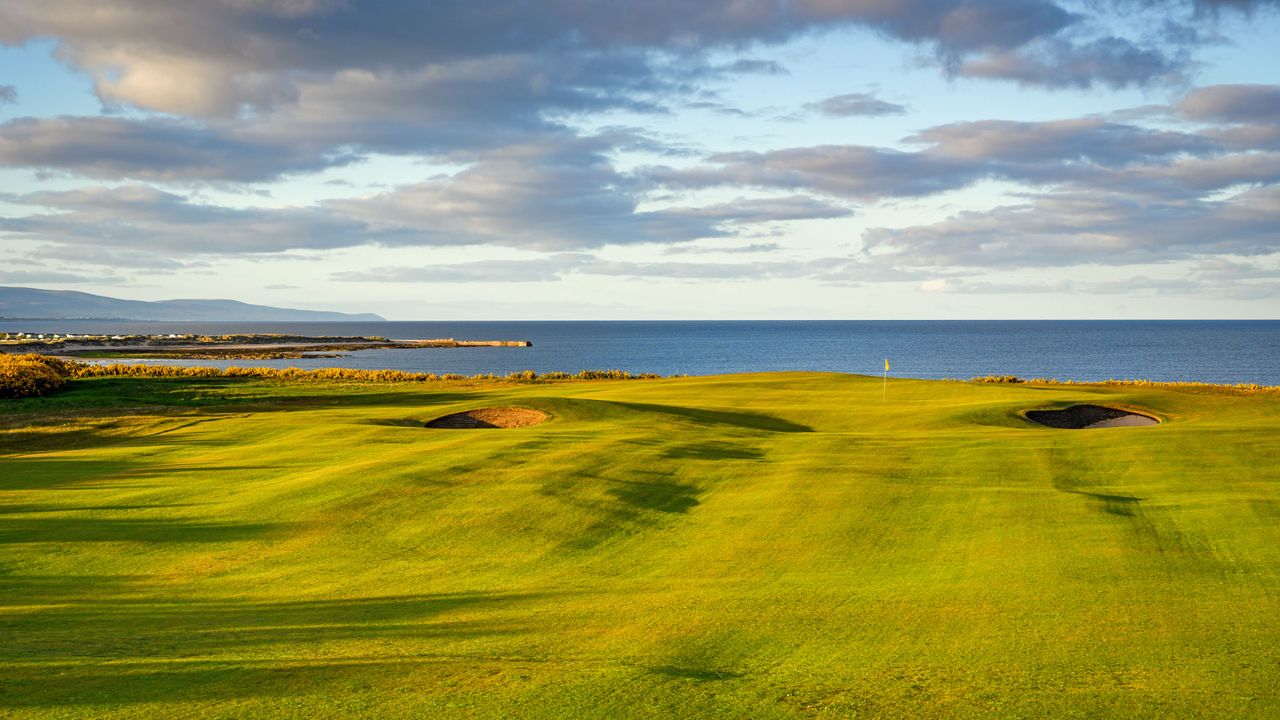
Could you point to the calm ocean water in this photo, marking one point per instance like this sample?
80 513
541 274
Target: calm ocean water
1209 351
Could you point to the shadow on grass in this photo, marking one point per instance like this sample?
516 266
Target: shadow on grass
1125 505
88 529
628 506
666 497
701 416
696 674
156 646
36 473
33 508
225 393
88 685
713 450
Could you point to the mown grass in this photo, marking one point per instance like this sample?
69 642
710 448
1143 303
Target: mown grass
765 546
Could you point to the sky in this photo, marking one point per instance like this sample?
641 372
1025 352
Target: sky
673 159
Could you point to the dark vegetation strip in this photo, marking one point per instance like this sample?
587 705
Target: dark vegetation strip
33 375
1247 388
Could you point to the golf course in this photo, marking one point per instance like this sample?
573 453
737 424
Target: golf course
774 545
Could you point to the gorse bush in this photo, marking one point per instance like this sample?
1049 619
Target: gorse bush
1242 388
32 375
80 370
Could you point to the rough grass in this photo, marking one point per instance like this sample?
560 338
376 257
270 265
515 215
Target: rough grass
765 546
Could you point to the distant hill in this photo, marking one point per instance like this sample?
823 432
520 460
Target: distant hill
31 303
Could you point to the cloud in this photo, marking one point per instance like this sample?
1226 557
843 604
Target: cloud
1225 271
1065 229
762 210
1083 139
51 277
1219 276
561 192
729 250
1125 286
1233 104
704 270
548 269
850 171
1246 6
255 58
1079 153
1058 63
555 267
751 66
856 105
105 257
557 195
266 88
141 217
151 149
8 95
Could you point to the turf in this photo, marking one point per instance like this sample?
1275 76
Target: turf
764 546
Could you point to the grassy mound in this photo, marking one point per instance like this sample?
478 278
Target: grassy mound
764 546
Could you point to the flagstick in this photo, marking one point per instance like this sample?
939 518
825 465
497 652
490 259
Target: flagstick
884 396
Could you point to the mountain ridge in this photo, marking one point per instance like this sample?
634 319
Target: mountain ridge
24 303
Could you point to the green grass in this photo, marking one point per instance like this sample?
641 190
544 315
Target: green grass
764 546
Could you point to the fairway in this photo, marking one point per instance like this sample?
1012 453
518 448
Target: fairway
784 545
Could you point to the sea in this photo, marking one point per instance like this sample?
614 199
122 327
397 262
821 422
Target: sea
1218 351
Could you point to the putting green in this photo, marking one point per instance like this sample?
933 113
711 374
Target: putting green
764 546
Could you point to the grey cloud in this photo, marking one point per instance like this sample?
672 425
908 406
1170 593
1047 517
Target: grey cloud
467 107
1211 274
1124 286
729 250
831 270
1192 177
141 217
551 268
546 196
1064 229
298 86
152 149
1111 61
748 66
1086 152
557 196
702 270
763 210
1091 139
841 170
717 107
856 105
1246 6
1233 104
471 105
8 95
1246 137
41 277
561 194
104 256
547 269
1224 271
219 58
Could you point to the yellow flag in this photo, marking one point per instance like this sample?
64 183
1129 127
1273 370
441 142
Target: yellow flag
886 364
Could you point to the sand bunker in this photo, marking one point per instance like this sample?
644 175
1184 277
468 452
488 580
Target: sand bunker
492 417
1079 417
